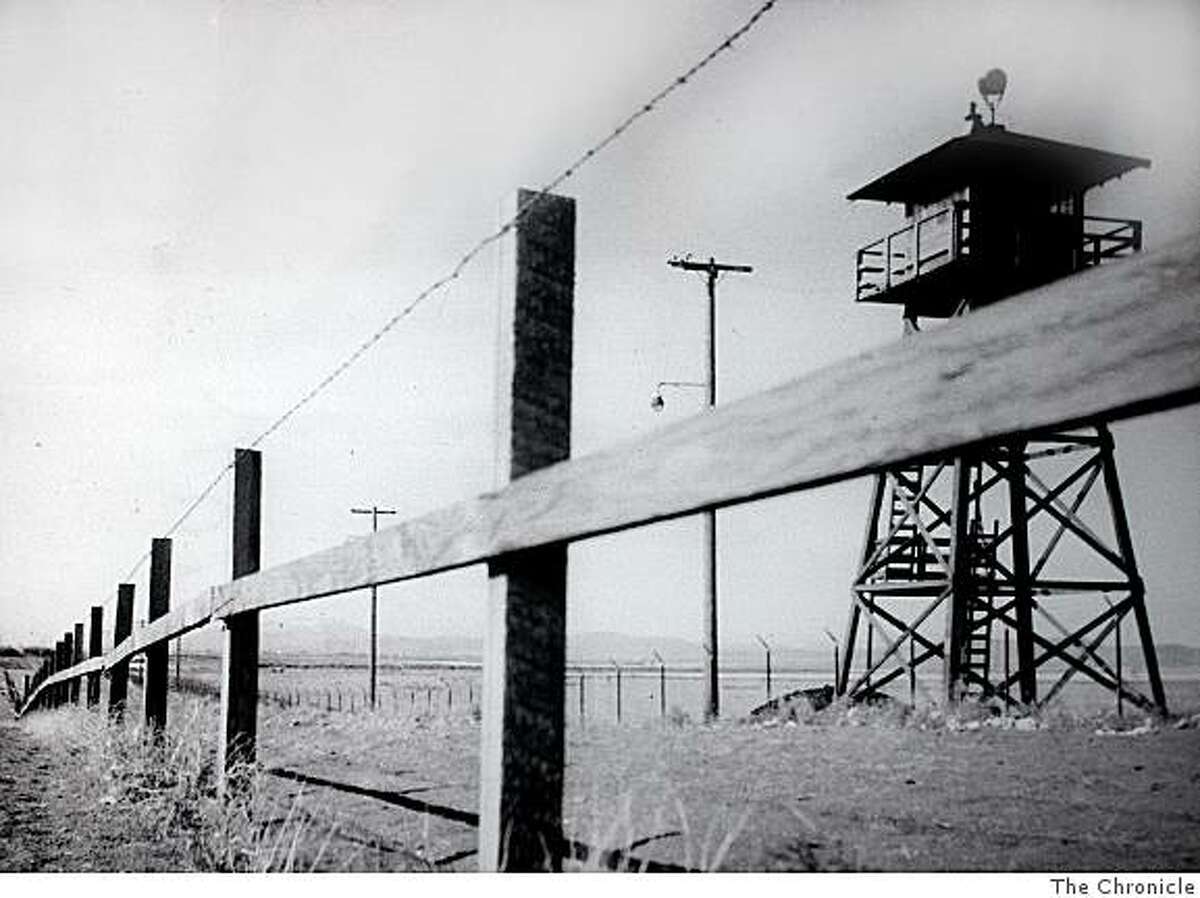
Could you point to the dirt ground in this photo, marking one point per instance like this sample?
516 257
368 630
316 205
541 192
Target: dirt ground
825 796
872 797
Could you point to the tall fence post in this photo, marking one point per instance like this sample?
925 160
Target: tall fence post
618 693
158 656
51 670
118 684
68 652
95 649
521 756
76 658
239 658
662 690
55 666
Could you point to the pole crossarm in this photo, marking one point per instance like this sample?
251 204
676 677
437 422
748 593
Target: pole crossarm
1107 344
711 268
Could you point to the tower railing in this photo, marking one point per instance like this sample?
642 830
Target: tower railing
942 237
1108 238
926 244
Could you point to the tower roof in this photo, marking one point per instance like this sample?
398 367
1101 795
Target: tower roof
992 153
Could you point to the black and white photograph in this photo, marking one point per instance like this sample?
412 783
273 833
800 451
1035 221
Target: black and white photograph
601 436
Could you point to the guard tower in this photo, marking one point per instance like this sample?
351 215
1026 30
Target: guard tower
1013 560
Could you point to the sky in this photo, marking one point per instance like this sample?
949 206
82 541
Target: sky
205 206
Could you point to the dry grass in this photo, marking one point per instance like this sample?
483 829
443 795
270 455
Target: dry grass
883 787
164 792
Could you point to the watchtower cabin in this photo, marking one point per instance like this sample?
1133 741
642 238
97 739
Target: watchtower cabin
1022 546
987 215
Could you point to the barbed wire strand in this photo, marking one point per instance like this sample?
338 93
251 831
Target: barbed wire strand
512 222
467 258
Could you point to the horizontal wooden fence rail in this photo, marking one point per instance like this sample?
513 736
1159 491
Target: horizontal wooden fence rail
1106 344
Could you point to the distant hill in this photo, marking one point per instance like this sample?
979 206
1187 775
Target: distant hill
601 648
315 639
1170 654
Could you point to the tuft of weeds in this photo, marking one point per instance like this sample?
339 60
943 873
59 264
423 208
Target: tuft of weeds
677 717
163 788
707 853
975 714
620 842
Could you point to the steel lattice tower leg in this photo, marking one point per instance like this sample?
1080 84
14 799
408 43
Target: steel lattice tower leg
928 548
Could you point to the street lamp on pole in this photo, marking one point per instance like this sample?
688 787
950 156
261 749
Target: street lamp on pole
656 398
374 511
712 271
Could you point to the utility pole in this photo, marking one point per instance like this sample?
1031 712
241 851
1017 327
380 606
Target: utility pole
374 511
712 270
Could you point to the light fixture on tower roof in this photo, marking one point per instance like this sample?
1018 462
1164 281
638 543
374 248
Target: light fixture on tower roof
991 88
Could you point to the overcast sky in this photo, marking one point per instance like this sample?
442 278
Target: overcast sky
205 206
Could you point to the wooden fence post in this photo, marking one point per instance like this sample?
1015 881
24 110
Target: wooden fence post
68 651
95 649
76 658
158 656
239 658
118 684
52 668
55 667
521 757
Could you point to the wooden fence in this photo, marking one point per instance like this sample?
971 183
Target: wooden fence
1109 343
